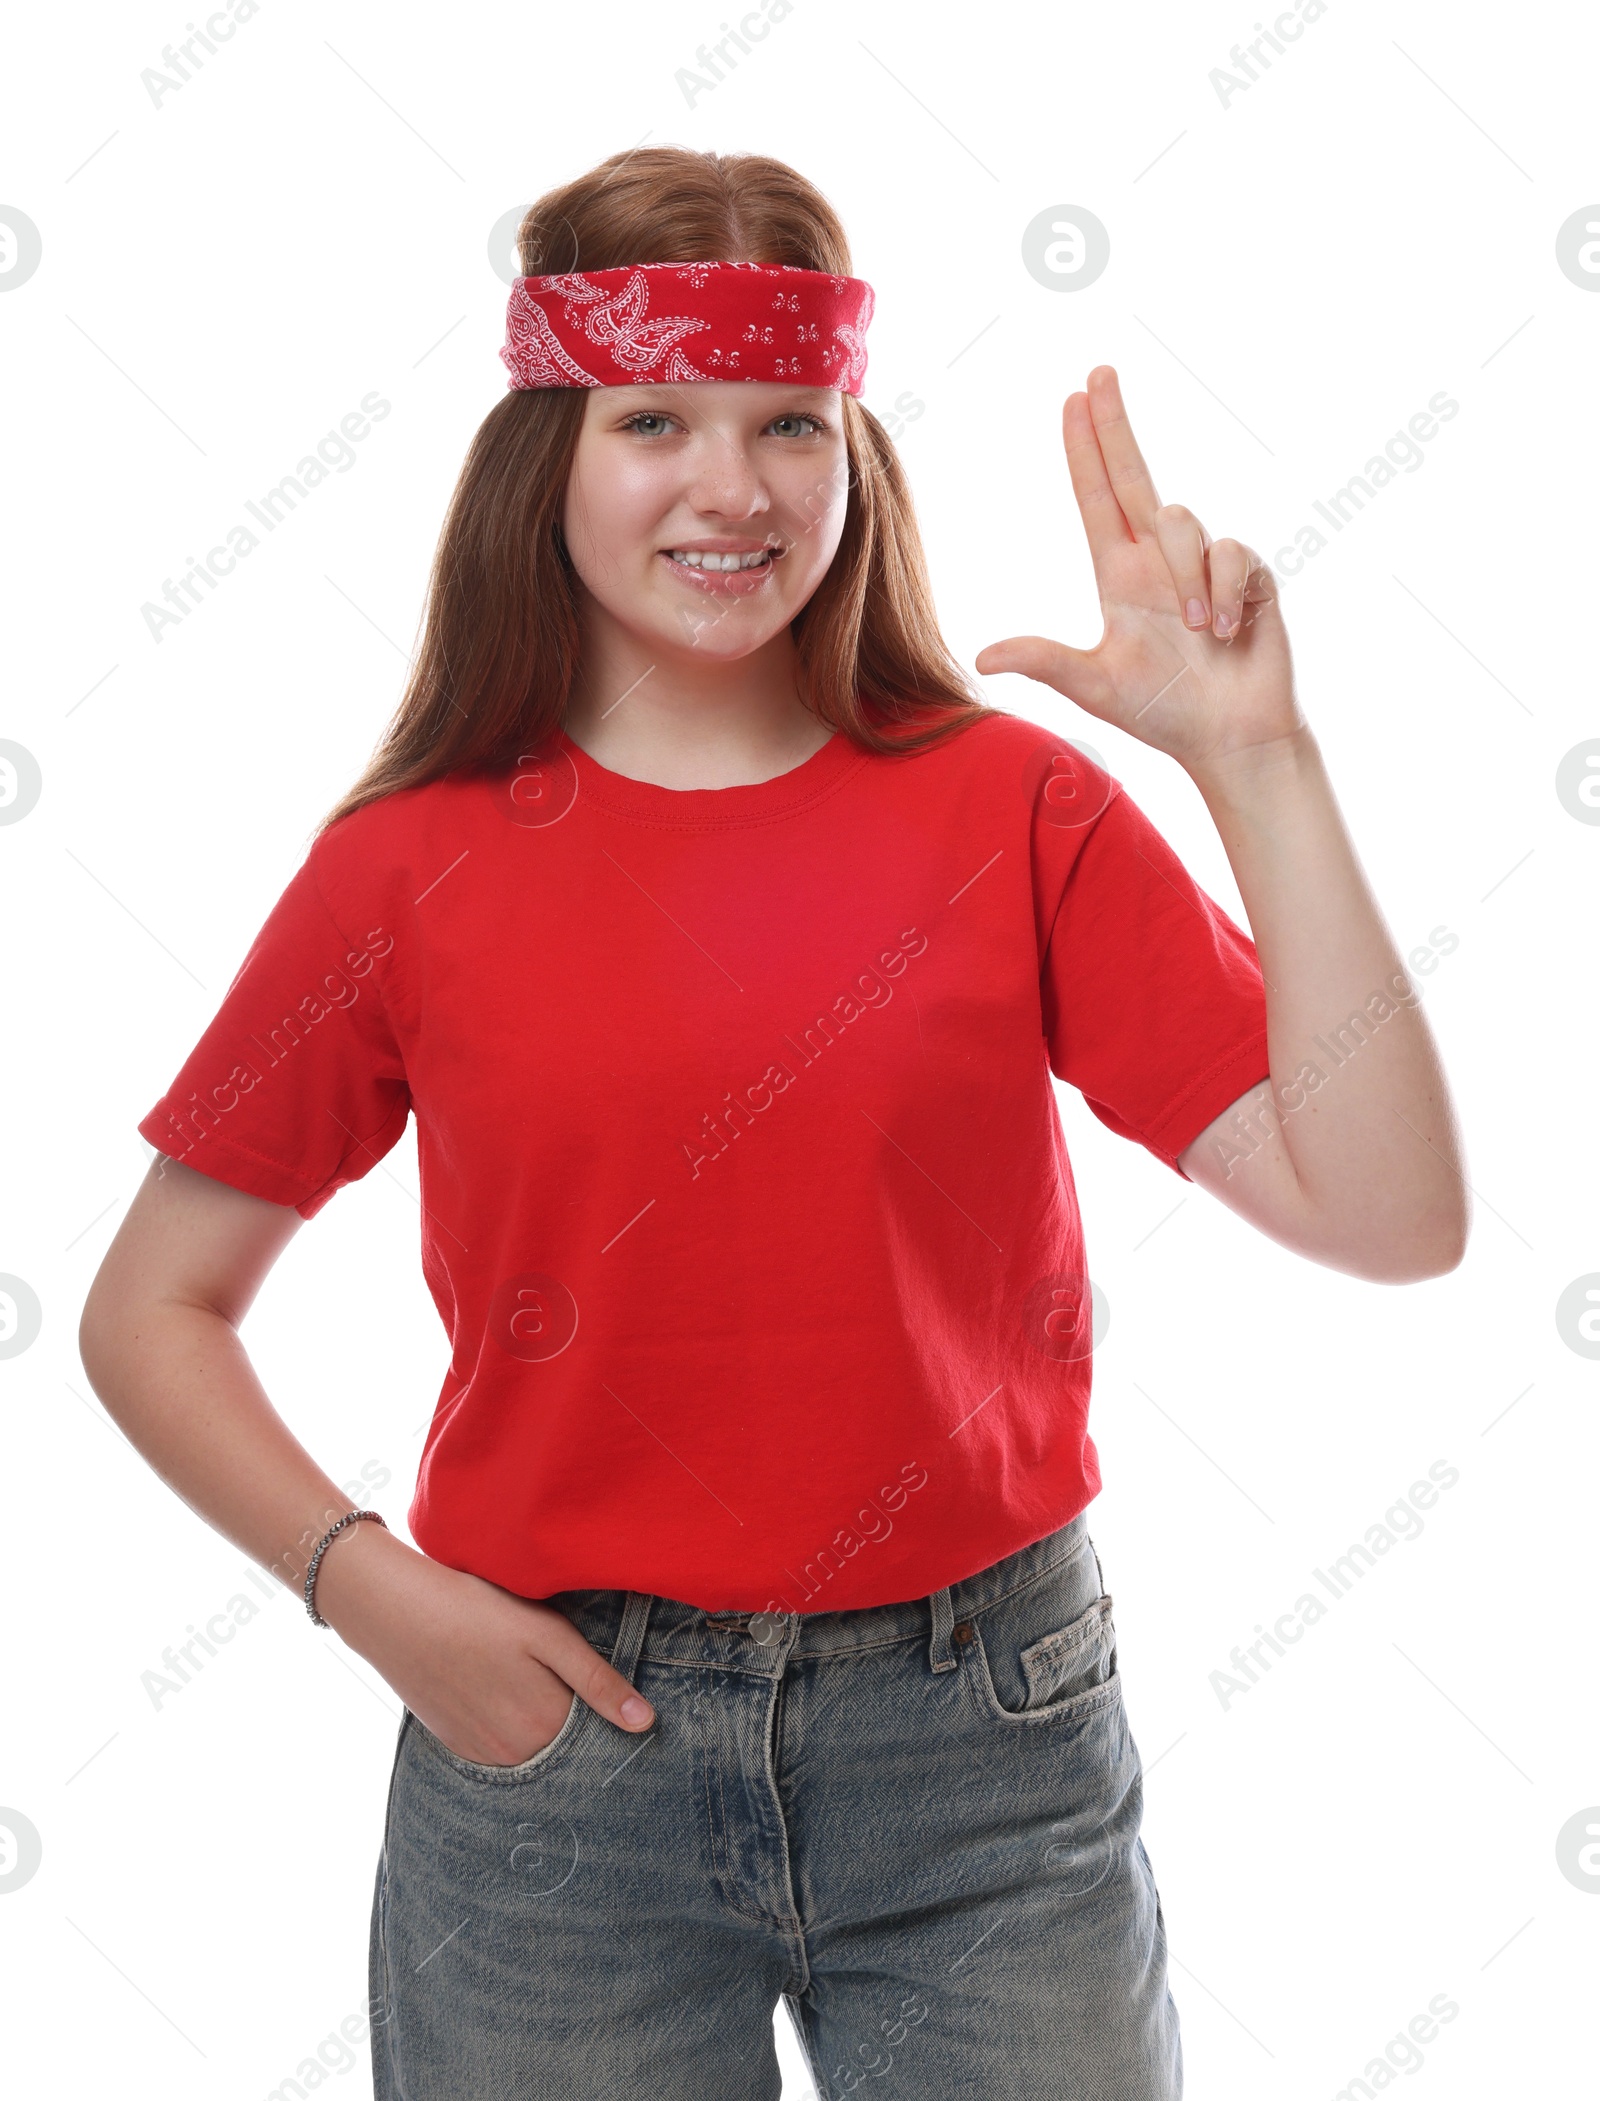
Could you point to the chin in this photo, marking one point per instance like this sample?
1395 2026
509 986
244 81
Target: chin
728 649
711 632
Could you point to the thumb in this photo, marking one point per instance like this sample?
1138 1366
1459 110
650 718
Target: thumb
612 1694
1069 671
574 1659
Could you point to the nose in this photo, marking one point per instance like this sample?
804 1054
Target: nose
727 482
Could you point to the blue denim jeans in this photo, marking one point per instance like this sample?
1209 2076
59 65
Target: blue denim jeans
916 1824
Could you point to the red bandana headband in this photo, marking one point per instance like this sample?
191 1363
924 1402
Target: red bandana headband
668 322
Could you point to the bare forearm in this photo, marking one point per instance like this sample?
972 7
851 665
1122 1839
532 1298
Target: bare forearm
1360 1101
178 1381
492 1673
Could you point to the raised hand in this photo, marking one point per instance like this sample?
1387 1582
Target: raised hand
1195 657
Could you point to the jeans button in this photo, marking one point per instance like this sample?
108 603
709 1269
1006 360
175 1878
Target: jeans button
765 1627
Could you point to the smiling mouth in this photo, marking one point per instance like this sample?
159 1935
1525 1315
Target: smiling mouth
735 574
716 564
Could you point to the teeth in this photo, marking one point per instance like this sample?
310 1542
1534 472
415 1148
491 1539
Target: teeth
693 559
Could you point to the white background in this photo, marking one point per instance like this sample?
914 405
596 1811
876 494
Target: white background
1292 277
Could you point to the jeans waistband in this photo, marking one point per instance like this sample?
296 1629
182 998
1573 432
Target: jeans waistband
631 1626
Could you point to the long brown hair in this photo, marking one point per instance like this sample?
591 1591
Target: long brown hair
500 636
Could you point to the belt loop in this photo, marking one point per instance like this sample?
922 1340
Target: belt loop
940 1656
630 1632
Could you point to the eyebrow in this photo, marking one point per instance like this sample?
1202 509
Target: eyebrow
677 392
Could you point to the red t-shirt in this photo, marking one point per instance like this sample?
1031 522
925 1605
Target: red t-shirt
746 1204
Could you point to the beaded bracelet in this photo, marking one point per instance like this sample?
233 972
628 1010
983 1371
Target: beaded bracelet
323 1545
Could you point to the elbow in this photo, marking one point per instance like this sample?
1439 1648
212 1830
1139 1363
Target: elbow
1434 1247
1453 1251
1441 1238
96 1329
1392 1242
109 1314
1417 1267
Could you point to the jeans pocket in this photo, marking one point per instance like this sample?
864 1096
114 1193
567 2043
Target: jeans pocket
1064 1668
1066 1672
557 1747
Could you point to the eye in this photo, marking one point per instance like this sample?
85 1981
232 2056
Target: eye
659 418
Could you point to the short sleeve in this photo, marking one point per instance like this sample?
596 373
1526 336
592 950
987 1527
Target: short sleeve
1153 1000
298 1085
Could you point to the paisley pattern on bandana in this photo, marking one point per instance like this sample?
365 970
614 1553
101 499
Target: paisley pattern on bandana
674 322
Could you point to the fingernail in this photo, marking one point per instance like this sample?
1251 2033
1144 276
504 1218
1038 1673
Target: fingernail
1224 620
1195 612
636 1710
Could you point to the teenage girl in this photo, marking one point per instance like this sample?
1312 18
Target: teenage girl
724 944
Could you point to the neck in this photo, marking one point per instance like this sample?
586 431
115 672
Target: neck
689 721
